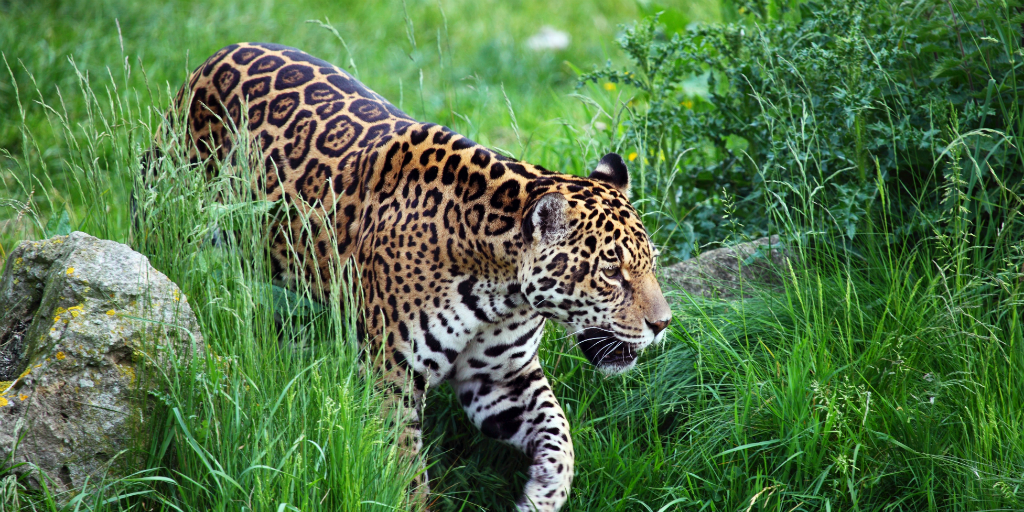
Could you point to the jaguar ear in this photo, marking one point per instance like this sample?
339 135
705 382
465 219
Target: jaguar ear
612 169
547 220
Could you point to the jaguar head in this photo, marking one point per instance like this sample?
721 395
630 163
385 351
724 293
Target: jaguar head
589 264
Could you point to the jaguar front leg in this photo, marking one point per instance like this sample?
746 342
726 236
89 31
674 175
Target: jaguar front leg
523 411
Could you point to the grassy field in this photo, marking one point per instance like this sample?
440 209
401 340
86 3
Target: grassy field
463 64
886 378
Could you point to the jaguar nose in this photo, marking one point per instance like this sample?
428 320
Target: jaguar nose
658 326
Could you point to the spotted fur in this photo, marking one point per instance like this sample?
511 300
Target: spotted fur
463 253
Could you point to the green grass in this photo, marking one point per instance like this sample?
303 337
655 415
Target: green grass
459 63
891 378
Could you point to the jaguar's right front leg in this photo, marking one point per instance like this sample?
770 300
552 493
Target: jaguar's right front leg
524 412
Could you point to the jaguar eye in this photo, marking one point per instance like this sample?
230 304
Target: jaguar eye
612 273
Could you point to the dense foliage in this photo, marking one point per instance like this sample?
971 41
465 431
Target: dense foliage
884 139
844 95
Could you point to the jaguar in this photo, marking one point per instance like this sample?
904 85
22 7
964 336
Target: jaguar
462 254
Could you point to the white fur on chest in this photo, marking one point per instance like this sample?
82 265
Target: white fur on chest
476 322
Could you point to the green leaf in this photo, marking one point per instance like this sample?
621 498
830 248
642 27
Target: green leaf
946 67
58 225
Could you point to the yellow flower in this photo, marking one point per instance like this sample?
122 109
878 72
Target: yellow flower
3 401
60 356
22 397
608 86
71 270
632 156
687 103
743 10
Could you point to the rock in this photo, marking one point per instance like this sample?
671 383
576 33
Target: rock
721 272
77 358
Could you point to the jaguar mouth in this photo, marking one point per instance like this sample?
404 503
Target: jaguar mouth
604 350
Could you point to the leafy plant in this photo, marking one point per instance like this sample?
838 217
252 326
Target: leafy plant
841 95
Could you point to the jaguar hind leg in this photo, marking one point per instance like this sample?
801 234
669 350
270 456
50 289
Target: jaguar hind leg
403 394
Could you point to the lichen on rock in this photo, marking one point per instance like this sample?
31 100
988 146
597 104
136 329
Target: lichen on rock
84 323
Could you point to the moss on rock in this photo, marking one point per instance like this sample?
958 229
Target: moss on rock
78 377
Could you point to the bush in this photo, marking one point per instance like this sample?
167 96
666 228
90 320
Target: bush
840 96
884 138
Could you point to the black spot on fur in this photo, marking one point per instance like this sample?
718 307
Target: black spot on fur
433 197
319 92
293 75
301 56
506 197
418 136
300 131
373 133
281 108
432 342
475 187
462 143
256 88
246 55
347 85
368 111
327 110
215 59
267 64
338 135
497 171
442 136
503 425
481 157
226 79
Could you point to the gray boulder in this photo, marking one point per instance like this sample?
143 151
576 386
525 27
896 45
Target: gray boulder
722 273
87 330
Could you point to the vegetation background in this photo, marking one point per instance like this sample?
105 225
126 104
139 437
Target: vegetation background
881 139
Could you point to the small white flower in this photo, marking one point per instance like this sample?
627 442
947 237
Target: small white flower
548 38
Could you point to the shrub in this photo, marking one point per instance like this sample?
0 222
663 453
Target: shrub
885 138
838 96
